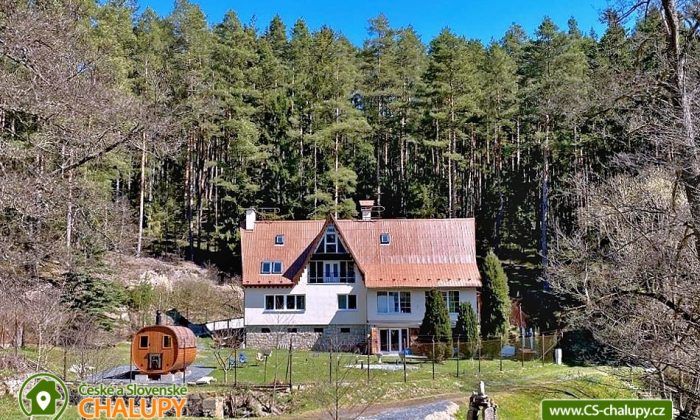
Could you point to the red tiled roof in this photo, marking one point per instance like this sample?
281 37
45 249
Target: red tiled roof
422 253
258 245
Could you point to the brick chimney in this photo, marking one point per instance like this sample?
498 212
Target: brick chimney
366 209
249 219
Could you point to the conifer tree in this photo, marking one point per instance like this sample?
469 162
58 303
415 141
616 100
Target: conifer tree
339 129
453 91
436 321
495 311
467 327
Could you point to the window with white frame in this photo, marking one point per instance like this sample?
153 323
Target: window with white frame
451 298
285 302
394 302
279 239
347 302
331 272
330 243
271 267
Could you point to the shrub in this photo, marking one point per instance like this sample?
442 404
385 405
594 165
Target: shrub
436 321
466 331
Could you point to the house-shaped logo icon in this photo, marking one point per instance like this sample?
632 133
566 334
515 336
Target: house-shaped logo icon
43 394
43 398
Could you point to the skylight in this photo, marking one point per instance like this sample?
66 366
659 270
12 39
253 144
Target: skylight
279 240
385 238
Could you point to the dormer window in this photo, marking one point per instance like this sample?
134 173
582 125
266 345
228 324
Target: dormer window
331 242
279 240
385 238
271 267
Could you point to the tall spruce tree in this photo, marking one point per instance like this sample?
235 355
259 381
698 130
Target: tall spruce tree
495 311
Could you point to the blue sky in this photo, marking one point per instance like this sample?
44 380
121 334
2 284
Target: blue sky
484 20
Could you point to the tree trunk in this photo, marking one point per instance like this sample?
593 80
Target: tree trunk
141 194
544 203
681 101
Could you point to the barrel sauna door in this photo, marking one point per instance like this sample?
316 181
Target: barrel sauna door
155 361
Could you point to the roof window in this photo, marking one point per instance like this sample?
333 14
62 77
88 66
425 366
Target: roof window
271 267
385 238
279 239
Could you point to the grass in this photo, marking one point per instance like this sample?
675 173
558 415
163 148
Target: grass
517 389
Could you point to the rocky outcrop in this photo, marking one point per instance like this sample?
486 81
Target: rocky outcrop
241 403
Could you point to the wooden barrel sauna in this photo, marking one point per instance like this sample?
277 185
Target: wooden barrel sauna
159 349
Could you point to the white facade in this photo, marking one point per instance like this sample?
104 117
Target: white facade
321 304
415 317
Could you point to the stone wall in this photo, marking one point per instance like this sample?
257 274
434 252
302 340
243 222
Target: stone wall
336 337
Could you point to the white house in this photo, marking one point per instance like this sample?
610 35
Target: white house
344 283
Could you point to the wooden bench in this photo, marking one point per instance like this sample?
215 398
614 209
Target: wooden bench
410 358
393 357
400 356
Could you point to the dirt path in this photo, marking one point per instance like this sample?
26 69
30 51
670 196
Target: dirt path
415 408
438 410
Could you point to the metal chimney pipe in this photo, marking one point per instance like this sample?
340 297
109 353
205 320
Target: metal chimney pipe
159 319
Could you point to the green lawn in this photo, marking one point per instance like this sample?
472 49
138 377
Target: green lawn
517 390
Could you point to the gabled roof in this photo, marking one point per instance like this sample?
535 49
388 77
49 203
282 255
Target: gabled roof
258 245
423 253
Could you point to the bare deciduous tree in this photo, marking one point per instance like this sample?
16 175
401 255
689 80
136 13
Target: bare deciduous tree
224 345
88 349
44 315
345 394
630 275
630 267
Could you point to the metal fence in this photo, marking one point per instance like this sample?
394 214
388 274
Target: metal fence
422 357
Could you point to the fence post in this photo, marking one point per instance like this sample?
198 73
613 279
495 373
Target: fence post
330 364
235 366
542 340
522 347
290 363
131 360
404 361
369 348
458 356
500 354
433 357
265 371
479 343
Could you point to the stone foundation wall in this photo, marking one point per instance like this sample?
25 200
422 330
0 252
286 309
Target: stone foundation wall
332 338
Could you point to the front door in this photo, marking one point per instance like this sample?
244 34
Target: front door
393 340
154 361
